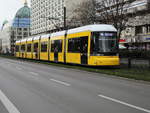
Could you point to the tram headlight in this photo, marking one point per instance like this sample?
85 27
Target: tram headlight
100 55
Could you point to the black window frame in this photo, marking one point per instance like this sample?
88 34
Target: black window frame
29 47
92 45
17 48
44 46
57 46
75 45
23 48
35 47
52 46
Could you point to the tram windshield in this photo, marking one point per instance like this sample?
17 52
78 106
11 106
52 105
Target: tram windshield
104 42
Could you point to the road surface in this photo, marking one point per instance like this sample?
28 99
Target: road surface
27 87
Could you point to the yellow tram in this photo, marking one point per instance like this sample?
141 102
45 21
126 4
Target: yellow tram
93 45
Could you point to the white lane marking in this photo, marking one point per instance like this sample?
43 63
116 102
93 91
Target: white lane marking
8 104
124 103
18 68
60 82
33 73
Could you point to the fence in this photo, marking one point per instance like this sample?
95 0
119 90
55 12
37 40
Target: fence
135 59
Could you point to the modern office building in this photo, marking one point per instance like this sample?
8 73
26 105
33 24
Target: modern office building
47 15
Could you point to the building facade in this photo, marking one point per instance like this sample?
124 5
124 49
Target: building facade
21 25
137 33
5 37
137 13
47 15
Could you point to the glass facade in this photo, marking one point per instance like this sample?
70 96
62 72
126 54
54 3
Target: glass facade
21 22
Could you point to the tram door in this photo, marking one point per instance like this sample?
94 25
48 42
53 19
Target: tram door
56 51
36 51
84 50
56 55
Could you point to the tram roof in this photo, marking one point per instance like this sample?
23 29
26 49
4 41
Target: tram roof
45 36
58 34
23 40
18 41
96 27
36 37
92 28
30 39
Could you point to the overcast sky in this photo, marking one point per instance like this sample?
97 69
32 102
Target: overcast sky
8 9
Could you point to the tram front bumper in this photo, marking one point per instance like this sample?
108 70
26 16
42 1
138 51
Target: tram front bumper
107 61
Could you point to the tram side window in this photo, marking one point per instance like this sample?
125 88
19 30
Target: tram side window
17 48
74 45
35 47
22 48
43 46
29 48
56 46
60 45
84 44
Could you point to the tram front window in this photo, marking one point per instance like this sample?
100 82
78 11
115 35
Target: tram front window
104 43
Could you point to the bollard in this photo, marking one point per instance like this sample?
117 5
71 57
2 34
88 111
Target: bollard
129 62
149 63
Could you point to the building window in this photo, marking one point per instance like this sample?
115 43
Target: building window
148 28
25 34
25 29
19 33
138 30
19 37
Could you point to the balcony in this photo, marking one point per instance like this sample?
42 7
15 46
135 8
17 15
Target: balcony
141 38
137 6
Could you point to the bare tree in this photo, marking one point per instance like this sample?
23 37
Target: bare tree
104 11
85 13
114 12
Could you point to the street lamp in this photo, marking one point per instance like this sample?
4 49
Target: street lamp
0 45
65 15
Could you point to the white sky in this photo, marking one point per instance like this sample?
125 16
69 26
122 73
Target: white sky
8 9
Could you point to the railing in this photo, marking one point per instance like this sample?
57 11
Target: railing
139 59
138 38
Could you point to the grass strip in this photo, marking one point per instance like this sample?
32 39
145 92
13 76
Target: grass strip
136 73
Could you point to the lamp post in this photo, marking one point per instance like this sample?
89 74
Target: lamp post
0 45
65 27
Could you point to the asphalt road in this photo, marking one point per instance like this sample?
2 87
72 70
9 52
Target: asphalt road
37 88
